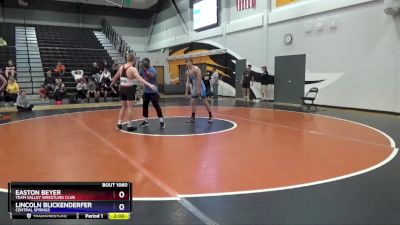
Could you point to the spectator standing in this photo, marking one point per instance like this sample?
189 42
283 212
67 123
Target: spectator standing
247 82
264 83
206 79
215 83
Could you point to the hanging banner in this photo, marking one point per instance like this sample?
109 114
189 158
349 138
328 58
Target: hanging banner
245 4
284 2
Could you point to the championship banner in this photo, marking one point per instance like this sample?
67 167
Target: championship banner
245 4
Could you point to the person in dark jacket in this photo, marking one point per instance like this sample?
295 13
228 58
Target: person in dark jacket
247 82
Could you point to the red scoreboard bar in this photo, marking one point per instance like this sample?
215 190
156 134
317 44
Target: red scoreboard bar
70 200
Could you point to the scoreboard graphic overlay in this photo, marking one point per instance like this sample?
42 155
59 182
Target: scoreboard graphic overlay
70 200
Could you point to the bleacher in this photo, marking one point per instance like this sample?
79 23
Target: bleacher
6 53
7 32
66 37
76 48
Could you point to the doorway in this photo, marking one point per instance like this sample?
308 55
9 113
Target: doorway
290 73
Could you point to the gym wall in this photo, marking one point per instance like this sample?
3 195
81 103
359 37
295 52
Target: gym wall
352 50
352 46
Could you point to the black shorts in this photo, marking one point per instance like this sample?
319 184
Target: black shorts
246 84
127 93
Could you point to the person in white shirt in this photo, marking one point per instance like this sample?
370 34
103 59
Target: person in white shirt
215 83
104 84
59 91
105 74
81 90
77 74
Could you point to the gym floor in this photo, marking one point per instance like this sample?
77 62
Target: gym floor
257 163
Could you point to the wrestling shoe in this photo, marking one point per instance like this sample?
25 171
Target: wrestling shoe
132 128
191 120
144 124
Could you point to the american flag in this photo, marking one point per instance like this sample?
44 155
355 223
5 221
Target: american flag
245 4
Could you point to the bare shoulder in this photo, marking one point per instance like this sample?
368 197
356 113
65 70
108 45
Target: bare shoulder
134 70
131 69
197 69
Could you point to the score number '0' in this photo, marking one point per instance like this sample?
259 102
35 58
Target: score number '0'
121 194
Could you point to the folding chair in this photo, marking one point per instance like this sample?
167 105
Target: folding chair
309 99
